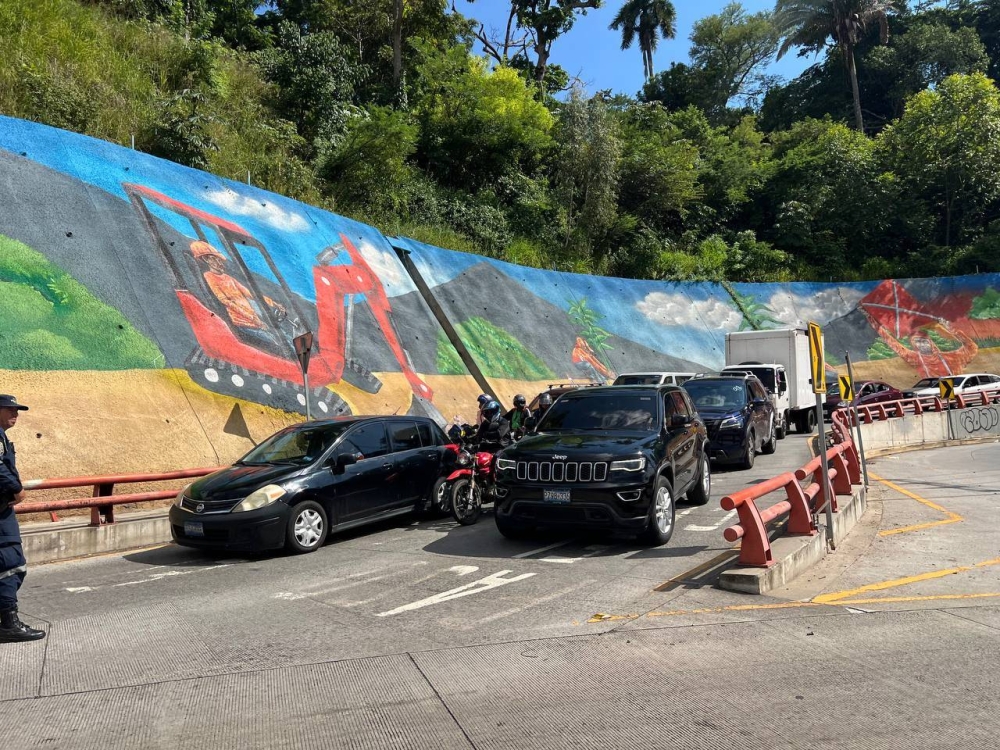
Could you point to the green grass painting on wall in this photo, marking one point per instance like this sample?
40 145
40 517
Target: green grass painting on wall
50 321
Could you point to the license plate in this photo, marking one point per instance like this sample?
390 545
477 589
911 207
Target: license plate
555 496
194 528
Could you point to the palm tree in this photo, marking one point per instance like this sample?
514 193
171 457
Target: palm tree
810 23
648 20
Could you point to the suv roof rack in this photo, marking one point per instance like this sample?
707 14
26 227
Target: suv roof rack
573 385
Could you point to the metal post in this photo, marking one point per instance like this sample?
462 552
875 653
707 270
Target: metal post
133 141
248 177
857 422
827 485
305 379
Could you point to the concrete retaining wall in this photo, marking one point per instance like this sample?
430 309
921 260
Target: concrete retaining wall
932 429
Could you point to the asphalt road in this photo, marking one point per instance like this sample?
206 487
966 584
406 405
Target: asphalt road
433 635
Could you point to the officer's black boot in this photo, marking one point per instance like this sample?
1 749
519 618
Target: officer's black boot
12 630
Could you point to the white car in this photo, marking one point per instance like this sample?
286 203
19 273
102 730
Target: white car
965 385
653 378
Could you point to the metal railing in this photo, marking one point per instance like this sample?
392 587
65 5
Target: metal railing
102 501
800 503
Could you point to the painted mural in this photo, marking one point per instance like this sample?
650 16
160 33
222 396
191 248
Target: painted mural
174 297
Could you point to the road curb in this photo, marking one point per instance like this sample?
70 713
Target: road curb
71 540
793 555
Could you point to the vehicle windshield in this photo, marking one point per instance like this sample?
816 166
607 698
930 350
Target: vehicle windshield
764 374
602 411
833 389
717 394
297 446
637 380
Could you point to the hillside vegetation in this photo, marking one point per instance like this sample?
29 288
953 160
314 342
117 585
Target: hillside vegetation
382 111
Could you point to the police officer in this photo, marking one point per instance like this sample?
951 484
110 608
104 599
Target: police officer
12 563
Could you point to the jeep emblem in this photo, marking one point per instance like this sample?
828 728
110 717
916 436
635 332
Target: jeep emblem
560 458
199 508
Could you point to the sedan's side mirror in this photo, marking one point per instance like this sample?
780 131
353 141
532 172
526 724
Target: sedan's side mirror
344 460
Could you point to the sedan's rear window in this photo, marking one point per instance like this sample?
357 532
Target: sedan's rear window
602 411
298 445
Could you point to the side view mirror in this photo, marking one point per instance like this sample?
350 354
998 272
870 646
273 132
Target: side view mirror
343 461
758 402
679 420
782 388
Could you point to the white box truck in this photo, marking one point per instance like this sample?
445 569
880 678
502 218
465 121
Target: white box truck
780 359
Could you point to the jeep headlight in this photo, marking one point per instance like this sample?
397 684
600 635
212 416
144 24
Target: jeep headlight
731 423
505 464
181 495
631 464
260 498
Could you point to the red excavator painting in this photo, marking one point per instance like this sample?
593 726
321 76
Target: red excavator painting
244 322
926 342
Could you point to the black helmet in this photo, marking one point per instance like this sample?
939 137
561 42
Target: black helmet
491 410
519 401
545 400
483 399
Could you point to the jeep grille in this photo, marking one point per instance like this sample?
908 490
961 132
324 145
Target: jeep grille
560 471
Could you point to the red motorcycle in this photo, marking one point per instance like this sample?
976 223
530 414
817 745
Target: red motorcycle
471 484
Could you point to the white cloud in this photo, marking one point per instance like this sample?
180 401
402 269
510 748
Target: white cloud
822 307
387 267
264 211
679 310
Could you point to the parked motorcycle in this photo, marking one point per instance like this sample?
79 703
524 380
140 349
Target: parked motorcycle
471 484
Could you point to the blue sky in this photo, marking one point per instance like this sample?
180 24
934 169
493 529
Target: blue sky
593 52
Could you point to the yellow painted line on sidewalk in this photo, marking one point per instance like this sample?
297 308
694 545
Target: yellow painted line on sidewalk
951 516
838 596
602 617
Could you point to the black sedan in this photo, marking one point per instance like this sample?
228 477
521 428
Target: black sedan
307 480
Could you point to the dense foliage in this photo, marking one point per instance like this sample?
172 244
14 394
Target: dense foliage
881 159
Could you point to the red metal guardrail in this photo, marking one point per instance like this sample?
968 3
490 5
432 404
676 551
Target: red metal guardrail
800 503
894 409
102 502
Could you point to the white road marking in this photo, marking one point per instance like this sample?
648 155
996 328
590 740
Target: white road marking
463 570
685 512
290 596
595 549
79 589
560 559
148 579
522 555
483 584
718 524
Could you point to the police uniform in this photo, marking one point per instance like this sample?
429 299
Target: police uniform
13 566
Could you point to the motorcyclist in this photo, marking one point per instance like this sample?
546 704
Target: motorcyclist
544 402
494 431
518 417
482 400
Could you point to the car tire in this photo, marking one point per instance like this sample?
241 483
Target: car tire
751 451
510 530
701 492
810 422
307 527
771 445
783 427
466 509
660 523
439 499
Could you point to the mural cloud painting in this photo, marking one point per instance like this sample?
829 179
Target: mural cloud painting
266 212
821 307
388 268
679 310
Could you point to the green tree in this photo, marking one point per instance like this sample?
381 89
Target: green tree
547 20
586 173
476 125
946 151
809 24
315 81
731 49
646 20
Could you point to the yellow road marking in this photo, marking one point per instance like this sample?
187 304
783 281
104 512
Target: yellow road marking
951 517
601 617
883 585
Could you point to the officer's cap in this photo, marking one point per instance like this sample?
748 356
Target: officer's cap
10 402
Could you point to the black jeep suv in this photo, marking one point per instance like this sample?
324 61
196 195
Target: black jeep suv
614 458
